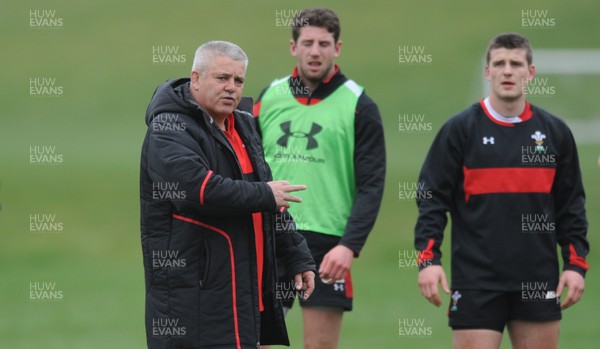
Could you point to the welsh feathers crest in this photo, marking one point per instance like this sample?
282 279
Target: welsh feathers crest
539 137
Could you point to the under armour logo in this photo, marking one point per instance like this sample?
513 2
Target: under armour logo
338 286
287 133
488 140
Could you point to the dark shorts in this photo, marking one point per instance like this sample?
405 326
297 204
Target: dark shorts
337 295
481 309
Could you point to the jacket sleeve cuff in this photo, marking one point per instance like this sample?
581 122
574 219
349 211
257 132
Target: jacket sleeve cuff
575 268
355 250
429 262
273 204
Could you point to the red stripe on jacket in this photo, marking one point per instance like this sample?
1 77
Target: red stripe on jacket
576 259
203 187
232 261
427 253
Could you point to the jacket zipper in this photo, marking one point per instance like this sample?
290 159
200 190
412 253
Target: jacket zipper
229 146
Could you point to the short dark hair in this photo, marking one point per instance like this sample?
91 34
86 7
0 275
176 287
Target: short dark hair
316 17
510 41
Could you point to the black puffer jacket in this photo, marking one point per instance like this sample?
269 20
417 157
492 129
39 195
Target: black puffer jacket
198 238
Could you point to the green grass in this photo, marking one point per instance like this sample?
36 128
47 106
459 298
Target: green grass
102 57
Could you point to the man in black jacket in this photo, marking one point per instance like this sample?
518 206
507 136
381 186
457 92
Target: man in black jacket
508 173
208 207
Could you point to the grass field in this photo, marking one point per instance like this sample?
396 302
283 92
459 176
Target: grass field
100 54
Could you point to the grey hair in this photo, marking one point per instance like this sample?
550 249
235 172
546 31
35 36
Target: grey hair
206 52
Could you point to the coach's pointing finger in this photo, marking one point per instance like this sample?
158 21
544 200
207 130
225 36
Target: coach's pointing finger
281 189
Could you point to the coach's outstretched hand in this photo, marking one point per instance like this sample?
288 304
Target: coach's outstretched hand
280 192
429 278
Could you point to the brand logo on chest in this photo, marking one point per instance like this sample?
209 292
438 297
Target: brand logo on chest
488 140
310 136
